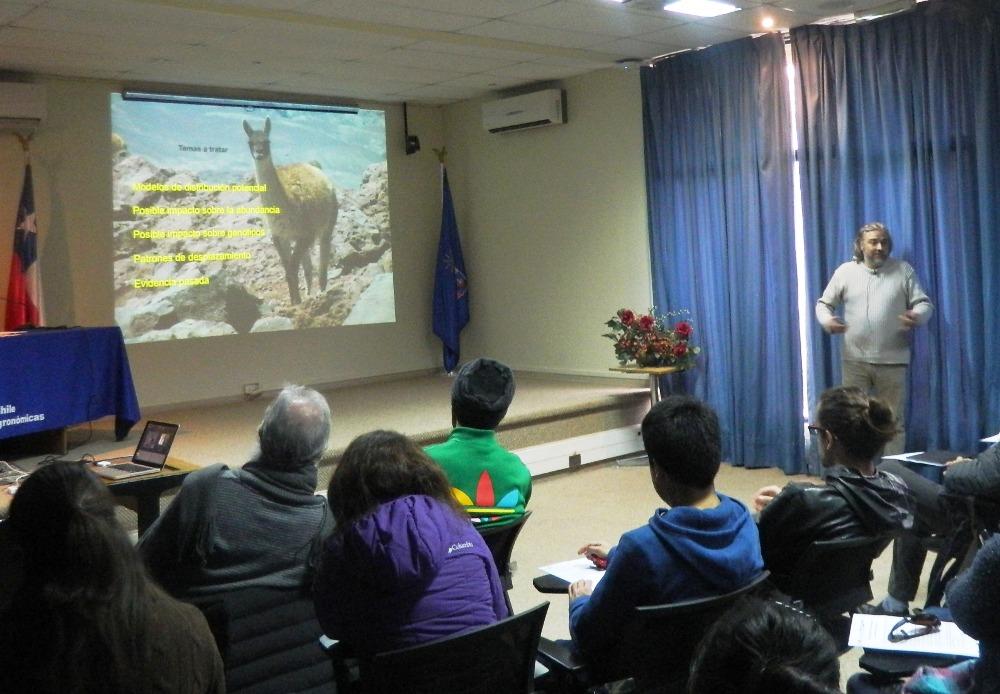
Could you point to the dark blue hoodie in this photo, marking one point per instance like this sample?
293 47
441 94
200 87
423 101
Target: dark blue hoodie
684 553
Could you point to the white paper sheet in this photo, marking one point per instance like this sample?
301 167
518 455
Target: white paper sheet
872 631
902 456
992 439
574 570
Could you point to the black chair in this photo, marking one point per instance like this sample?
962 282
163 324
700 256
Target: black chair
972 520
495 658
269 641
657 645
500 540
832 578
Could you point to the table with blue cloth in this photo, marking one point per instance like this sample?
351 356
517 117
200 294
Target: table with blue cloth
52 379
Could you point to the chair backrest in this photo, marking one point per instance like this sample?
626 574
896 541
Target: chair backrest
500 540
495 658
658 645
834 576
269 641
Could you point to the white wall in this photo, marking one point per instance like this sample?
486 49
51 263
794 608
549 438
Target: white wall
71 161
553 223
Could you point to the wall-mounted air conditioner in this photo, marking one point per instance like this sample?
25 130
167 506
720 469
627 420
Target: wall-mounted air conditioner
22 106
546 107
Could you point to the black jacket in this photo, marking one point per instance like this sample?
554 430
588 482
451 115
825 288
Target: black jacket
847 506
978 477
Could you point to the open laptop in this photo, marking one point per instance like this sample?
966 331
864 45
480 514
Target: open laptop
149 457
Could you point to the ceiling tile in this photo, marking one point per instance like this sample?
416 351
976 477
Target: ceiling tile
395 15
545 36
478 8
439 61
750 21
612 20
691 35
634 48
13 10
535 71
484 81
481 51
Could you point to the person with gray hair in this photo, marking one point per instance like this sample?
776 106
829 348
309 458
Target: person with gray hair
882 301
261 525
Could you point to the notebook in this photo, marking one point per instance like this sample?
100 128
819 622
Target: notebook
149 457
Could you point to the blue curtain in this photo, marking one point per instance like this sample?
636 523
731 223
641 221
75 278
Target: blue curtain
719 187
899 121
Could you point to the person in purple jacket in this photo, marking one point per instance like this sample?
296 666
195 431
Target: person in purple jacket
404 564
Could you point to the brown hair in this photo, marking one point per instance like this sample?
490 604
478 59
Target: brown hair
378 467
76 622
863 424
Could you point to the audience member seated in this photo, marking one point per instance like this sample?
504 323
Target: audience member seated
404 564
764 647
979 476
856 501
261 526
703 544
481 471
85 617
974 600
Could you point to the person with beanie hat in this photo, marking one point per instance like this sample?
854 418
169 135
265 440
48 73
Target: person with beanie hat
483 474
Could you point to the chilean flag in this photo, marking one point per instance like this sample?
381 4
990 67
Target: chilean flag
24 293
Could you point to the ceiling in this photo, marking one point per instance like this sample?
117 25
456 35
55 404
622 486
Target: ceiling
423 51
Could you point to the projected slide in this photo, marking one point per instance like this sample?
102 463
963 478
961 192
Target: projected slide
237 218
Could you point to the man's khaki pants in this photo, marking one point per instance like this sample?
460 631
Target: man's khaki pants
888 382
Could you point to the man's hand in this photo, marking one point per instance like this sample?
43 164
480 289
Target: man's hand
836 326
580 588
957 461
764 496
908 319
595 549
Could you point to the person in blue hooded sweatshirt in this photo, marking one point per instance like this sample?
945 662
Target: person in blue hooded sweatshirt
703 544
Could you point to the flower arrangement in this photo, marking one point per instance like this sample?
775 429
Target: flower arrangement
648 341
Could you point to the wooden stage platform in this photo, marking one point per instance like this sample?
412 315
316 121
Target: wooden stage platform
554 422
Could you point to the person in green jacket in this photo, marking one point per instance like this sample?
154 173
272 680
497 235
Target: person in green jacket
490 481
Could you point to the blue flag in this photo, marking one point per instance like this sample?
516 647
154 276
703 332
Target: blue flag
451 289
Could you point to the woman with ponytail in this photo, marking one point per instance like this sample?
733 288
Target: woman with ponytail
857 500
82 616
763 647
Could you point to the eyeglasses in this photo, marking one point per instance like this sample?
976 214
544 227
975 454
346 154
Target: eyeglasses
924 623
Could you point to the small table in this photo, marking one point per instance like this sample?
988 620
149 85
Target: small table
547 583
654 373
142 494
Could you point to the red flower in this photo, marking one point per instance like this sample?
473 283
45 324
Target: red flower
626 316
646 323
683 329
680 349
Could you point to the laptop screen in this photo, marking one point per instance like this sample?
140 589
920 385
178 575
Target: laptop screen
155 442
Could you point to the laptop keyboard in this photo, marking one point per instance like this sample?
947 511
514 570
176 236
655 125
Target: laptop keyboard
130 467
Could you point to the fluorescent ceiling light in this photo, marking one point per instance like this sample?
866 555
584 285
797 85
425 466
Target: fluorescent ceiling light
700 8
